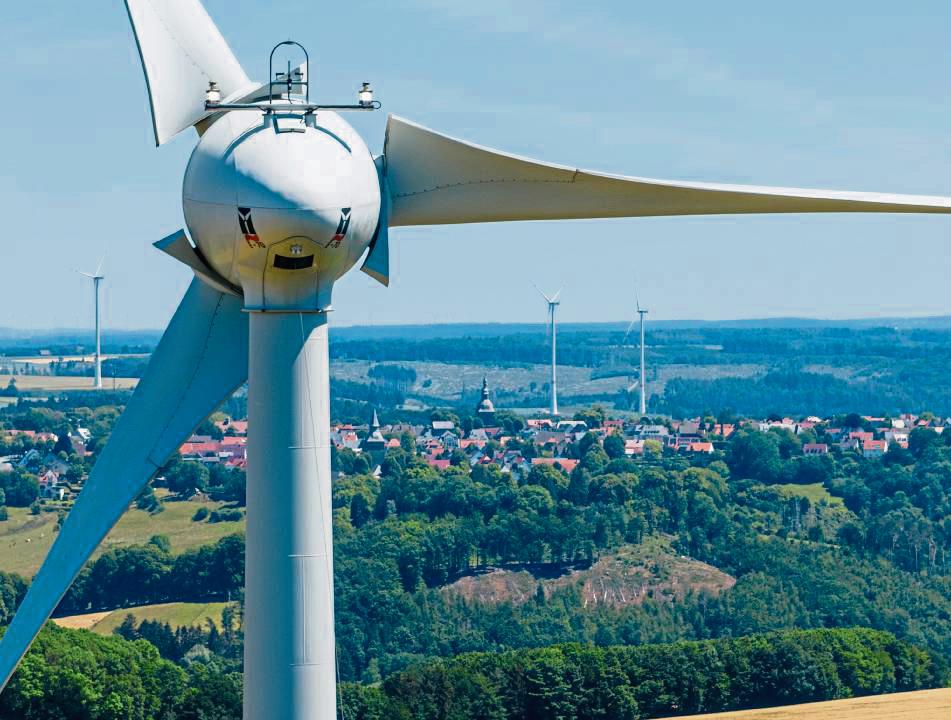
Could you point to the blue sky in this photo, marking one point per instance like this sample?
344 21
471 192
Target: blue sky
850 95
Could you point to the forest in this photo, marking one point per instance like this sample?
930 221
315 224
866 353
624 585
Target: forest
879 556
70 674
651 681
836 571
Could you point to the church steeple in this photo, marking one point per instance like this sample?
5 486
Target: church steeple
485 410
374 442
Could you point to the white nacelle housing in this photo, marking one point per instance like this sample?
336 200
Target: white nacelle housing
281 206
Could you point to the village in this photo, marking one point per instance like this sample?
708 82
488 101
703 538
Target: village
548 441
512 442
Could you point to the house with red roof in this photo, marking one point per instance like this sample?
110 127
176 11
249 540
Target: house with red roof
724 430
633 447
874 448
566 464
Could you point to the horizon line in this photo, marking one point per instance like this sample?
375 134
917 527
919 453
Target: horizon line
25 332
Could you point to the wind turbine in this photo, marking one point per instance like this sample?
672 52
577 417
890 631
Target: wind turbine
642 313
96 278
281 198
642 380
643 377
553 303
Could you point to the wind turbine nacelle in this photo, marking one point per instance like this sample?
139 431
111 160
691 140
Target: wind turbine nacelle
282 205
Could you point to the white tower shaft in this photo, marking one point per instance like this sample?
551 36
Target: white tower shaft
643 367
98 365
554 361
289 651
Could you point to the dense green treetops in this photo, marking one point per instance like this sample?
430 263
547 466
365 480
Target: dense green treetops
836 541
626 683
76 674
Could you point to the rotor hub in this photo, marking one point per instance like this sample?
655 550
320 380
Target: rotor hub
282 206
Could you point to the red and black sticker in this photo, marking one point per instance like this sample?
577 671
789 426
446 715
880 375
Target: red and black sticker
247 228
342 226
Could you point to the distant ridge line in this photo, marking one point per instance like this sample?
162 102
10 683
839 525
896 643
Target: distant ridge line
448 330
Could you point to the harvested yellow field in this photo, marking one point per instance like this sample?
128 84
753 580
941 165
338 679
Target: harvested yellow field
83 622
64 382
921 705
44 360
180 614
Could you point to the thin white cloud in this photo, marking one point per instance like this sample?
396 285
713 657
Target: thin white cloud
700 73
662 56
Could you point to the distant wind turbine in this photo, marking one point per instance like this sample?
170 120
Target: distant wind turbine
553 329
96 278
643 377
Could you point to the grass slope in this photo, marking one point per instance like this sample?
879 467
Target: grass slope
921 705
25 539
814 493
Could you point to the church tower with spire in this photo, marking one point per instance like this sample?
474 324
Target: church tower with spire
485 410
374 444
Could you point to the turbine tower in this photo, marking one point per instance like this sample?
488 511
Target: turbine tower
96 278
553 303
642 313
281 198
642 380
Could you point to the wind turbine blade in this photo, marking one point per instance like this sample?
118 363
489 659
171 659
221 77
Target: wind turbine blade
89 275
637 300
435 179
182 51
547 299
201 359
554 298
629 328
99 266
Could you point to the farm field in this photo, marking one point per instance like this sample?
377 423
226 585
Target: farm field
43 360
64 382
921 705
447 380
25 539
179 614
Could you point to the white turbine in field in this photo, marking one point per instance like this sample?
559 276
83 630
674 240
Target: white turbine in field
553 304
97 277
642 379
642 313
281 198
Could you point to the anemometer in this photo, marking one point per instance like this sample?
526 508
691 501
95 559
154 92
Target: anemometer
295 82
